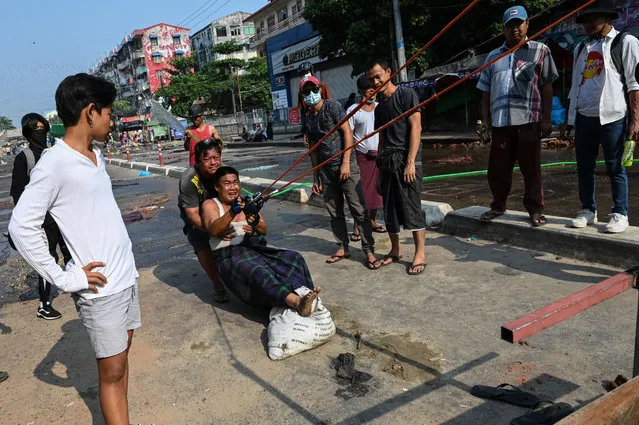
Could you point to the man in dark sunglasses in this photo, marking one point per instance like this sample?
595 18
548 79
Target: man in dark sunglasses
339 178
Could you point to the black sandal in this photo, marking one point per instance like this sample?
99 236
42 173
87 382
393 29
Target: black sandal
552 413
507 395
491 215
356 237
393 258
538 220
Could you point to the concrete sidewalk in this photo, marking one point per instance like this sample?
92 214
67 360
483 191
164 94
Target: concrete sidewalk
557 237
427 339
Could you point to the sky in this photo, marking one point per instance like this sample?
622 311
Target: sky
51 39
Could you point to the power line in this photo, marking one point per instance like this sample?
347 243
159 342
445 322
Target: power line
196 11
212 13
190 21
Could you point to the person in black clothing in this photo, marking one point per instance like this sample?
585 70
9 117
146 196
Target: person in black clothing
35 128
400 164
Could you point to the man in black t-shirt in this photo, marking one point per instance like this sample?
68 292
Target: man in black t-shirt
340 178
196 186
400 164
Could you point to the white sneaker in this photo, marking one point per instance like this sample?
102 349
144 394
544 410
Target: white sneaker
617 224
584 218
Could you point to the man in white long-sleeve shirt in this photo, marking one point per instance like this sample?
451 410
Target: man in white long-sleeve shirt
70 182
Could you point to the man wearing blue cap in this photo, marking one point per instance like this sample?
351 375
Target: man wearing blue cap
517 102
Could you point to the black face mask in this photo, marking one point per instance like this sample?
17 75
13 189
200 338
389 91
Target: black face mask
39 137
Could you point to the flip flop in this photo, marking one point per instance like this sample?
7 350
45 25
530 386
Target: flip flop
548 415
491 215
4 376
538 220
379 229
356 237
374 265
501 393
335 258
394 258
413 266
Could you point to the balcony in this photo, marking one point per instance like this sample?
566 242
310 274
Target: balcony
137 54
290 22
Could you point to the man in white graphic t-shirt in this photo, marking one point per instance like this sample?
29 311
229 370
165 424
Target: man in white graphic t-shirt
604 108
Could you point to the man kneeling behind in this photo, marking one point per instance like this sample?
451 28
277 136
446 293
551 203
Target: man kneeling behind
258 275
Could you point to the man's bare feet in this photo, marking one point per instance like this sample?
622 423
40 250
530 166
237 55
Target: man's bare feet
305 307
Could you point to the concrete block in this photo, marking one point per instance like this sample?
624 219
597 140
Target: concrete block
435 212
557 237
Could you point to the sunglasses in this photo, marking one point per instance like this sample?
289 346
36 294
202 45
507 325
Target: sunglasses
308 91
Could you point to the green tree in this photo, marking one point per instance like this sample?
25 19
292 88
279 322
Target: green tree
55 120
6 123
362 30
121 108
217 82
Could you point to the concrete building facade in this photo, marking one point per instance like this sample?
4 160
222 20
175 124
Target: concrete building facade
228 28
287 40
138 65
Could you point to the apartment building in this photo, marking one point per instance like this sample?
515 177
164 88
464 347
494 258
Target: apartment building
228 28
138 65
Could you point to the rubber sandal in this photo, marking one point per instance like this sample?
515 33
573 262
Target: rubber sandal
538 220
221 297
413 266
379 229
356 237
374 265
500 393
335 258
548 415
4 376
394 258
491 215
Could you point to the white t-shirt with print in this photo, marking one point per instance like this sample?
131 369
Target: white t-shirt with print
593 79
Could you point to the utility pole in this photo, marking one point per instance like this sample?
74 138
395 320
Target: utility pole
239 90
399 36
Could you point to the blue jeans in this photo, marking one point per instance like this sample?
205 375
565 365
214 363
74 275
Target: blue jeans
589 134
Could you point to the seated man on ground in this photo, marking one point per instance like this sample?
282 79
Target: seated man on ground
258 275
196 186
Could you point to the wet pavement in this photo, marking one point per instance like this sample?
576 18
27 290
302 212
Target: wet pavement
561 189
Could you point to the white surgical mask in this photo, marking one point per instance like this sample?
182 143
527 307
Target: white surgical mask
313 98
370 101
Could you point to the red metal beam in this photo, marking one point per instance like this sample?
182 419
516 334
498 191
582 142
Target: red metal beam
552 314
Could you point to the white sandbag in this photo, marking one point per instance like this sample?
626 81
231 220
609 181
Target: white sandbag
290 334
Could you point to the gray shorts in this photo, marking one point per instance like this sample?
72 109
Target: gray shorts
107 320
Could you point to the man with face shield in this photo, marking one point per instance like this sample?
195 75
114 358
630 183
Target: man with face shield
35 128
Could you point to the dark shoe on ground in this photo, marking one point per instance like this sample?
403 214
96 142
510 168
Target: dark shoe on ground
4 376
49 313
356 237
511 395
379 229
491 215
548 415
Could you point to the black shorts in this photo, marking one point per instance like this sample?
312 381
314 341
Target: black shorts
402 201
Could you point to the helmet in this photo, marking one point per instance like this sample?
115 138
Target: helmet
305 68
197 110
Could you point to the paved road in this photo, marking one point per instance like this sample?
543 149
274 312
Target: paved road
428 339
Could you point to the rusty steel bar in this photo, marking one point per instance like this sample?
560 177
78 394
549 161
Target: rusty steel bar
535 322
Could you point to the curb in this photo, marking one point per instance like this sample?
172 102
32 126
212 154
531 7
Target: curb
556 237
435 212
